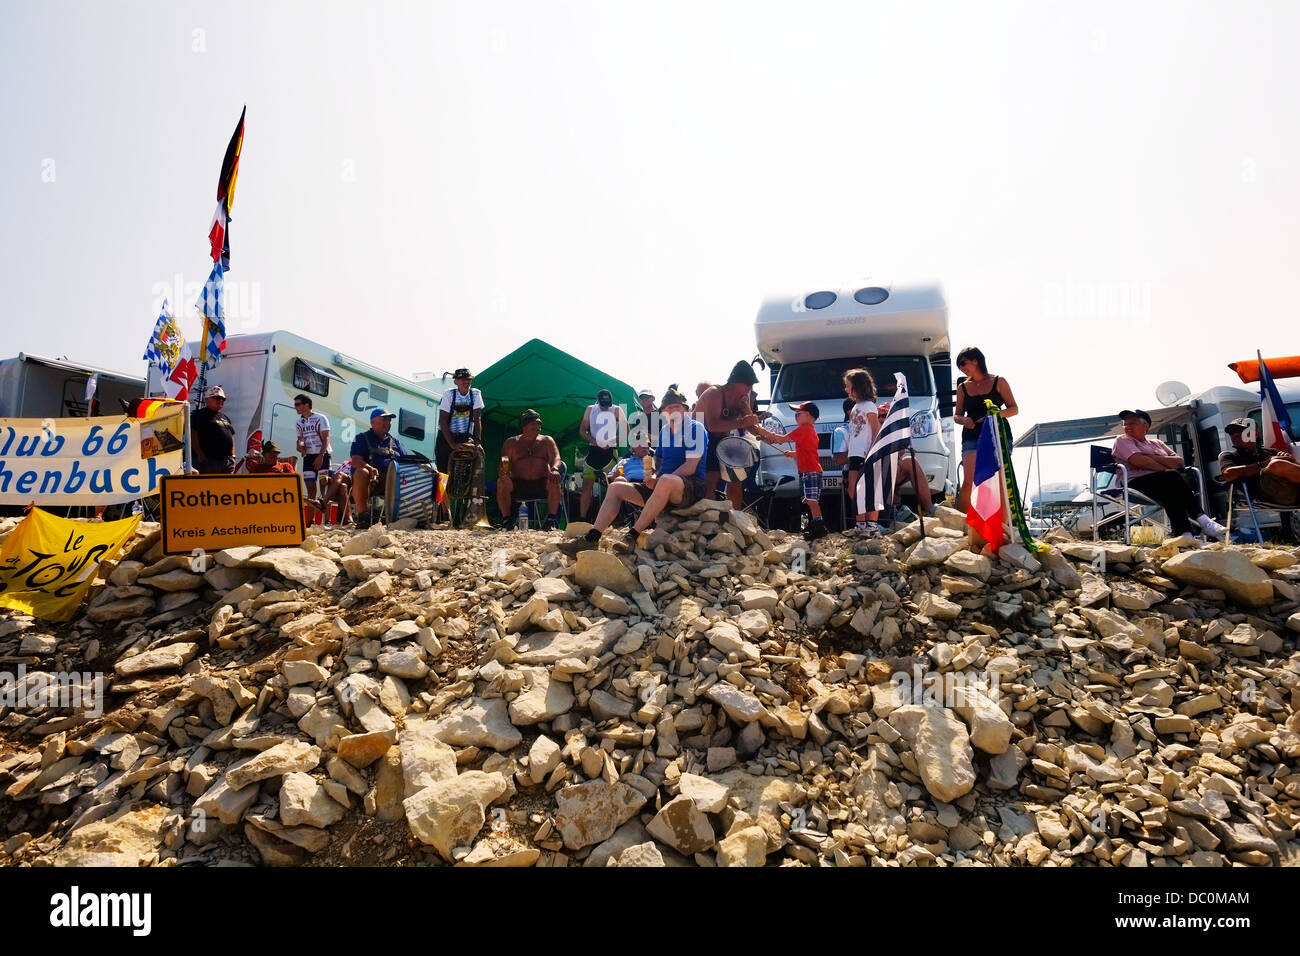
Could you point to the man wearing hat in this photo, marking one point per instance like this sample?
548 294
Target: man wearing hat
533 469
1269 473
1157 472
213 435
676 481
372 452
269 461
724 408
601 426
460 417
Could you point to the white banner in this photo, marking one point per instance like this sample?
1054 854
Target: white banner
88 461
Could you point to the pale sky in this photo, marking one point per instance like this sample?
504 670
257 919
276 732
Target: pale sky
1107 191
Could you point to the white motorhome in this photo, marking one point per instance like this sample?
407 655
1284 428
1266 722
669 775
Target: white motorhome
1192 425
261 374
810 339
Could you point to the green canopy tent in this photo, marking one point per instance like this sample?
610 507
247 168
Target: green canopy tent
554 383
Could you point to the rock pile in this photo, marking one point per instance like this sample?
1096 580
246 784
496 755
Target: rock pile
721 697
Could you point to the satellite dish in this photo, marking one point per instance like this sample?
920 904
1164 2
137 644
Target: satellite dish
1169 392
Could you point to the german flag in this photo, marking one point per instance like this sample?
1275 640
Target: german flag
219 232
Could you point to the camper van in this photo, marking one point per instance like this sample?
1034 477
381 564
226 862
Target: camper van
810 339
1192 425
261 374
32 386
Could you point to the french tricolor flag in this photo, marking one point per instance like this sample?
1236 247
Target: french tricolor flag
1275 422
985 513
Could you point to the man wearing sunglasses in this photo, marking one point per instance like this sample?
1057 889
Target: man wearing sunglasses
213 435
313 443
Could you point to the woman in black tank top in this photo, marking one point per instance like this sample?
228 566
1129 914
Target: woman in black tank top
971 411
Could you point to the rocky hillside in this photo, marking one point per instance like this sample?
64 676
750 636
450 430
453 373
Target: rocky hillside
720 697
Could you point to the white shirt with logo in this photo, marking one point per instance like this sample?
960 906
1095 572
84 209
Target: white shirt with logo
310 429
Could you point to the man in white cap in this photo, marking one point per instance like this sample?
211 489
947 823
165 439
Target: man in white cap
213 435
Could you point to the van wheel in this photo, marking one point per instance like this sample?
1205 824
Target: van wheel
1291 526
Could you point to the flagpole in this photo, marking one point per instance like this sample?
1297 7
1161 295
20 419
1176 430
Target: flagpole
917 475
203 366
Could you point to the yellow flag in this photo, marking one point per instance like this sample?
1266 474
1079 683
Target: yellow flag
48 563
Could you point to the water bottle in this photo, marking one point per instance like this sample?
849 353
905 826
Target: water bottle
522 523
803 523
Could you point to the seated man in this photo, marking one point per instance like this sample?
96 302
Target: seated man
338 487
677 479
1270 474
269 461
373 452
600 428
1155 471
531 470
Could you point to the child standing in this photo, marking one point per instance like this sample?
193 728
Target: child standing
864 423
806 459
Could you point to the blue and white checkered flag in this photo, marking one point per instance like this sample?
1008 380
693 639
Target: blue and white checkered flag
212 305
164 349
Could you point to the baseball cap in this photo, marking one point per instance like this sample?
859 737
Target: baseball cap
270 446
742 371
1137 413
529 415
645 393
808 407
461 373
380 412
605 398
216 391
1238 425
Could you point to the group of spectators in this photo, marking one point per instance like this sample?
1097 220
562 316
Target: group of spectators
681 465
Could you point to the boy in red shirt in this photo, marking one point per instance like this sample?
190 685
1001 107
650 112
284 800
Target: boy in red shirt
806 460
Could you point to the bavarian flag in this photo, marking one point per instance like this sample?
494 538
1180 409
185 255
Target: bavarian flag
219 231
985 512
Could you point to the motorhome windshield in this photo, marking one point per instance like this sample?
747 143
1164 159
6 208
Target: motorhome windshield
807 381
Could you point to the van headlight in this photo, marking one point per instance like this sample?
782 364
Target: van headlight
924 424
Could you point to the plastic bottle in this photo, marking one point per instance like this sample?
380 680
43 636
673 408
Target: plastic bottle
803 522
522 522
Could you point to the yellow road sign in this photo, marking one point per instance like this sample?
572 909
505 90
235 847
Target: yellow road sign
212 512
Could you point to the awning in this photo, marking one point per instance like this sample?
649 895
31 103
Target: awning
322 370
1100 428
81 369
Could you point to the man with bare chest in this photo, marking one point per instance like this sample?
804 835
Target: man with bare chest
530 468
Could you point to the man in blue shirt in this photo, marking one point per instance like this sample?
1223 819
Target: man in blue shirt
677 479
372 452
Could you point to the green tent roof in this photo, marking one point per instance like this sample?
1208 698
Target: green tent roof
554 383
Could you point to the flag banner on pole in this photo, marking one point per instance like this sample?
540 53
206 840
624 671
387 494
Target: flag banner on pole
219 229
169 351
212 305
92 385
985 511
1014 501
895 436
48 563
1274 418
106 460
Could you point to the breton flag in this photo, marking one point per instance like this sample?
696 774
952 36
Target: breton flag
985 513
1273 414
169 351
219 230
212 305
894 437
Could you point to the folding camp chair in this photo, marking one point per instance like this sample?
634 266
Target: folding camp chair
534 505
1135 506
1240 490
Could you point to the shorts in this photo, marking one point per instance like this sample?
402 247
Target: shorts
309 474
711 463
598 459
970 445
811 484
692 491
1278 490
530 490
857 463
